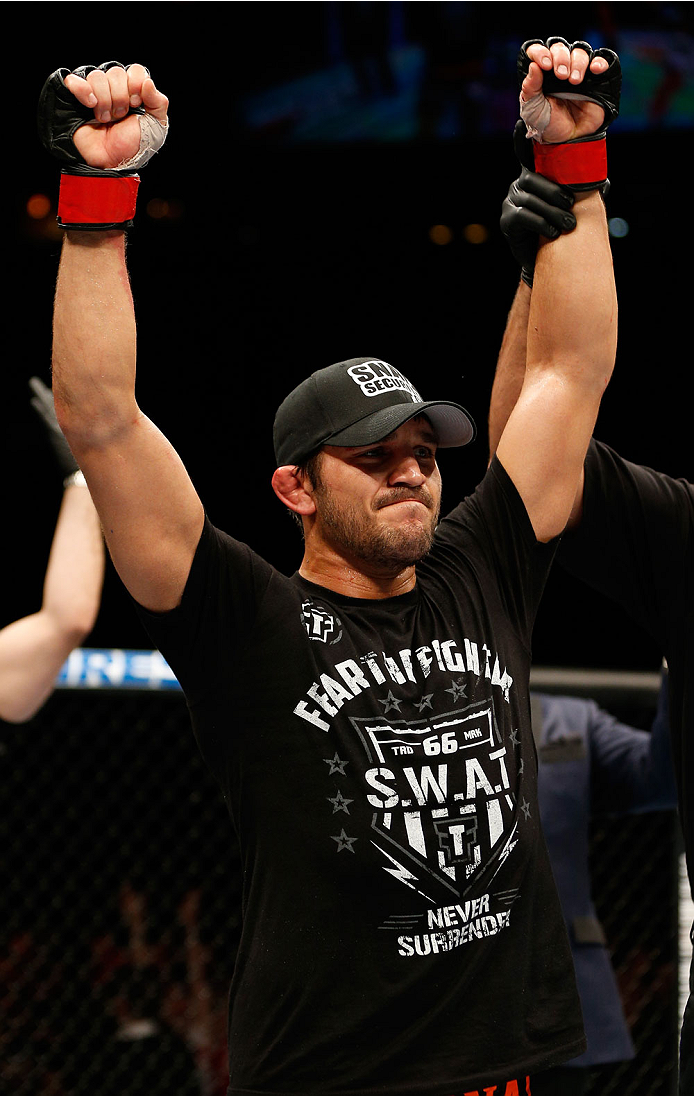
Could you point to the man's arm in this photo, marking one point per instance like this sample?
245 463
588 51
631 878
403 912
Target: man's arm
151 515
510 366
33 649
534 207
508 382
571 343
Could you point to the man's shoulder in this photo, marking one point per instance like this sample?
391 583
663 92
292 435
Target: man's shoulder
608 469
217 543
229 569
620 493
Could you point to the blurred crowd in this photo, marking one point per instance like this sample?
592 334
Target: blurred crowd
147 1014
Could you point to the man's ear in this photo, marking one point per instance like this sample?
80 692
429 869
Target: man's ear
290 490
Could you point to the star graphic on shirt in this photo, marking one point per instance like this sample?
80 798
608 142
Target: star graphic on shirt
514 737
525 807
344 842
457 690
521 766
390 703
336 766
339 803
425 702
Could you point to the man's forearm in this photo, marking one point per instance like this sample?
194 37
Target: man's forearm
510 367
94 338
75 571
572 325
33 649
570 353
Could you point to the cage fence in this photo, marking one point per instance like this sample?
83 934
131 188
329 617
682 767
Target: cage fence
120 895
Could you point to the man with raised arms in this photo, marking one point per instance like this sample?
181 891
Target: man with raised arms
401 931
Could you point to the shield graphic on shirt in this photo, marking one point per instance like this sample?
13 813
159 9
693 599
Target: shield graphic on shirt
442 791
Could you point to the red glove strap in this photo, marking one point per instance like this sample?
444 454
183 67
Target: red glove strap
97 199
575 163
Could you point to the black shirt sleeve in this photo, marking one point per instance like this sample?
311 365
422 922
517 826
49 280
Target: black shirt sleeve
514 563
220 602
634 540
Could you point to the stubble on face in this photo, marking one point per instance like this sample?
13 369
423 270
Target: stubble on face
359 534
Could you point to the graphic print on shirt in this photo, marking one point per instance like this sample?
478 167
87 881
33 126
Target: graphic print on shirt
436 774
441 818
321 624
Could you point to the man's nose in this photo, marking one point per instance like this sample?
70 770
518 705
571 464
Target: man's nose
407 471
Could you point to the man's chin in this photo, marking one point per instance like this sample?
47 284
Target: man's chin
396 537
406 545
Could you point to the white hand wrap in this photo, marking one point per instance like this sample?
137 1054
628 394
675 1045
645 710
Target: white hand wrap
537 110
153 133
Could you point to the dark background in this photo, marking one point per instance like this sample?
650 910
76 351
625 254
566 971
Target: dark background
312 148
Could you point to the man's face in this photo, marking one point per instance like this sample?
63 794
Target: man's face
379 504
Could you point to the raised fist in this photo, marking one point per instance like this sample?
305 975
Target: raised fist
567 91
106 118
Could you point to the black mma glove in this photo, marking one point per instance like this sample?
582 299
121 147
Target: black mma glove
534 206
91 197
582 163
42 402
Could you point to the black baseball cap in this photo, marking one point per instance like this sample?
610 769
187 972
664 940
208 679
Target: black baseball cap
357 402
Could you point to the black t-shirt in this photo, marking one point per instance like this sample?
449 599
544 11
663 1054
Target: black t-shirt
635 543
400 928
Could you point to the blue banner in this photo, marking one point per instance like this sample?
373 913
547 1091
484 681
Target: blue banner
112 668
